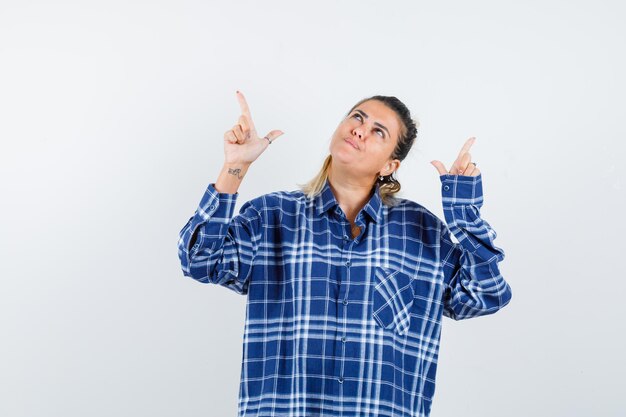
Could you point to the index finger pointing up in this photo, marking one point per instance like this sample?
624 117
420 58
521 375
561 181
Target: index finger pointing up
243 103
466 147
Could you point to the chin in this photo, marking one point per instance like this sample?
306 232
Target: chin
343 156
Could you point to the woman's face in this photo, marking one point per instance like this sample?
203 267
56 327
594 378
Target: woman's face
365 139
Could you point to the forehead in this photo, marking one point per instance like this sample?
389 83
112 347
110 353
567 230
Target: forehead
379 112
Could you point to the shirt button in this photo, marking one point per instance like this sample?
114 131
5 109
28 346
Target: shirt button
348 263
341 380
345 237
345 302
343 339
446 187
212 207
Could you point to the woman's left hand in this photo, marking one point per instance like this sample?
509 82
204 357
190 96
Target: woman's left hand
463 164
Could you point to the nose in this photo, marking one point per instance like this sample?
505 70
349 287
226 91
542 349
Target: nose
358 132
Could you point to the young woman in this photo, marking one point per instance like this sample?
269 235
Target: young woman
346 284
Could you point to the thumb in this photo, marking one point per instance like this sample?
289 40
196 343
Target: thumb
440 167
274 134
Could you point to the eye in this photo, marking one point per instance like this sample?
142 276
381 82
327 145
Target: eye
382 134
357 115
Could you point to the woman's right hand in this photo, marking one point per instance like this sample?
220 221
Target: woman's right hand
242 145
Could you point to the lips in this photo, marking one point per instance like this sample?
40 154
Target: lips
352 143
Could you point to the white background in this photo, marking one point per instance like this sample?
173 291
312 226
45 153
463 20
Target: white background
112 116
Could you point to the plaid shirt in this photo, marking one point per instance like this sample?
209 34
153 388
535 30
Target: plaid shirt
343 326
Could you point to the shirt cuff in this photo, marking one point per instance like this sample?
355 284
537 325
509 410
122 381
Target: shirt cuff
462 189
217 206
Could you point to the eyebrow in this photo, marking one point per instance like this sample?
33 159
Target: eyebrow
375 123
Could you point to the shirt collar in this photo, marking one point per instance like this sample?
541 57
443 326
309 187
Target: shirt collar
326 200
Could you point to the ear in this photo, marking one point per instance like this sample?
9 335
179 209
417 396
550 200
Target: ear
391 166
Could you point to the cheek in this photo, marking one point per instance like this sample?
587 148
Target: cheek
347 125
341 130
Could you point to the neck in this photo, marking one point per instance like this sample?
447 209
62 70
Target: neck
351 193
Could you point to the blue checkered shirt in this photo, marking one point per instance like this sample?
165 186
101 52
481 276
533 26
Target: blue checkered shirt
343 326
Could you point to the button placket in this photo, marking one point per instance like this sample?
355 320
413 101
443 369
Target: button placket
346 242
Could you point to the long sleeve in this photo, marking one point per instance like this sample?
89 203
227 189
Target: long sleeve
215 247
473 283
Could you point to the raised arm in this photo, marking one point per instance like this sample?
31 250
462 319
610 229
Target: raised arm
473 283
213 246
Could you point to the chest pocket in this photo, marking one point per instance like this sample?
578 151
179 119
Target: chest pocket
392 299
